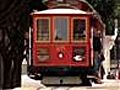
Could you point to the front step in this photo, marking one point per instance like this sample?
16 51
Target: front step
61 80
94 79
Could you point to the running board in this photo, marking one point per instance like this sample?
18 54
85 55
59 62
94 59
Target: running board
92 77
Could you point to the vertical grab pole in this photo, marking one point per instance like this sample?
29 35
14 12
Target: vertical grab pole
30 46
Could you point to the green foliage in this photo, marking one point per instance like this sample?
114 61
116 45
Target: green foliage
110 25
117 8
106 9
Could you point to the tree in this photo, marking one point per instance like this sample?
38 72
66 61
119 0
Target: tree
14 22
106 9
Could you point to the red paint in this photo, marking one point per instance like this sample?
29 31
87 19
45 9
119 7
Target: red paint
65 47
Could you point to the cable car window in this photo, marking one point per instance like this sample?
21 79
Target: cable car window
43 29
61 29
79 29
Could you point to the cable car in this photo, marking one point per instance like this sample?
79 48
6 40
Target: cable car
61 43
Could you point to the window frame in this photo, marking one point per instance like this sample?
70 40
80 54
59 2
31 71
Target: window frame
72 29
36 29
68 29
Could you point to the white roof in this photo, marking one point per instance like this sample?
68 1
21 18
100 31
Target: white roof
61 11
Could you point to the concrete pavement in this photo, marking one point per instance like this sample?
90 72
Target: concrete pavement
29 84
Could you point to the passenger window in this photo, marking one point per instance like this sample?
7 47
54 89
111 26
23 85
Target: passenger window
79 29
43 29
61 29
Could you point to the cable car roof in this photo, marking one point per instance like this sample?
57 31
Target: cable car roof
61 11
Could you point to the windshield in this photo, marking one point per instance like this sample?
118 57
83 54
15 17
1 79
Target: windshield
79 29
43 29
61 29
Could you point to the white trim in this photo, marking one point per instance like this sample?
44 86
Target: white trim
61 11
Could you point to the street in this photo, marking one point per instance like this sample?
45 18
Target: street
29 84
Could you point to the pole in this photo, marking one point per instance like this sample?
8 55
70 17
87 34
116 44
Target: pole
115 49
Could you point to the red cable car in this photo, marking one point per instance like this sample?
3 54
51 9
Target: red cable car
62 43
